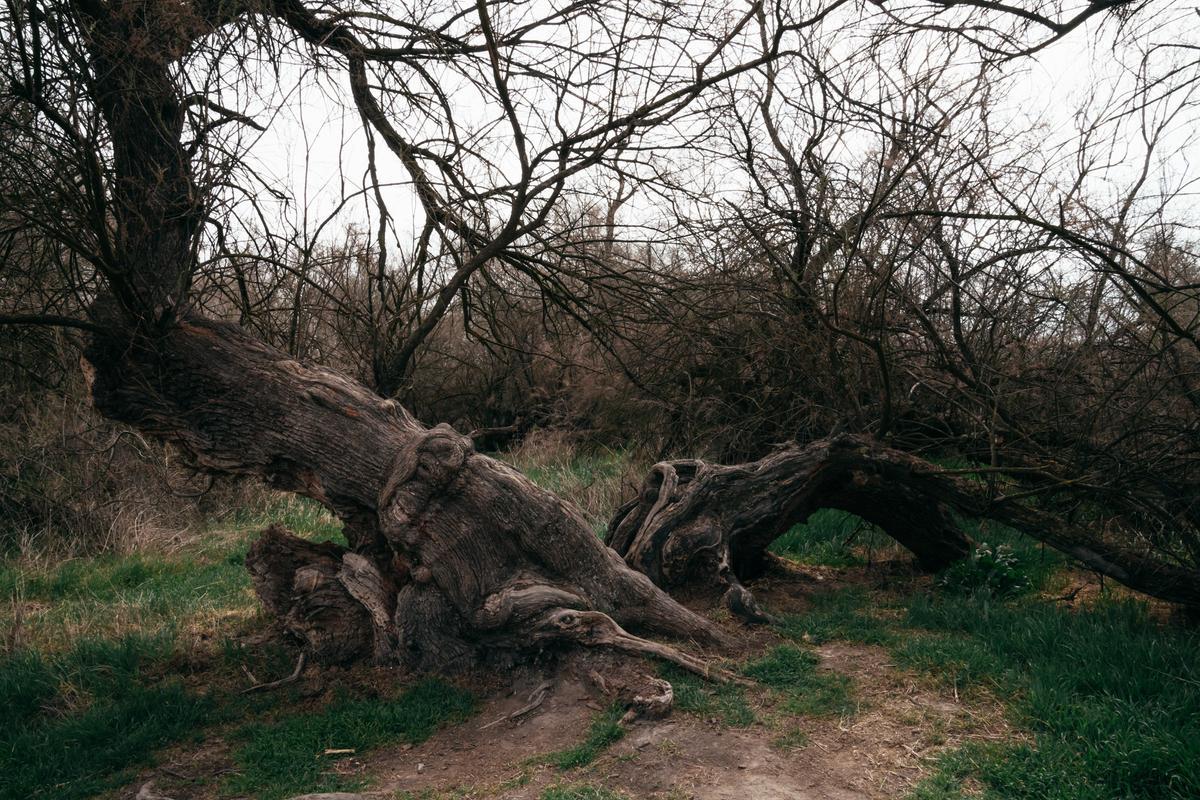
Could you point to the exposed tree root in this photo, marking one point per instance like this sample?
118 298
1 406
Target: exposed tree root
593 629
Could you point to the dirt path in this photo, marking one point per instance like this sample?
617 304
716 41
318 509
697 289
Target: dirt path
878 752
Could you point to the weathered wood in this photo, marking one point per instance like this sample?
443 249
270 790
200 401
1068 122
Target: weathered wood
452 554
705 526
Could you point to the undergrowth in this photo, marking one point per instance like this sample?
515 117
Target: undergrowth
289 756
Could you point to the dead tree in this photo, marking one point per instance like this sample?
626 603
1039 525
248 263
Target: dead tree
452 554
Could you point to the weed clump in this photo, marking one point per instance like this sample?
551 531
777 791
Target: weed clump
806 690
997 570
725 702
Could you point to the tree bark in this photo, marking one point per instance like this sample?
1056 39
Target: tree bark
452 554
701 526
704 527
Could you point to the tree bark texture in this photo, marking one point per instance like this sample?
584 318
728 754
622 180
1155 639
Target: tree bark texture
696 526
451 554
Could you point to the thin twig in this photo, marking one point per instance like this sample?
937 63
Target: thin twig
262 687
535 699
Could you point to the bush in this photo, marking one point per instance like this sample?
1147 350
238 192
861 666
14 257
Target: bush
997 570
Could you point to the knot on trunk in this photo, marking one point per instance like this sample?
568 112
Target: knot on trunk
425 467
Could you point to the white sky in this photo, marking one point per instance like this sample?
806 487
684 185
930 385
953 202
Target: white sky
315 152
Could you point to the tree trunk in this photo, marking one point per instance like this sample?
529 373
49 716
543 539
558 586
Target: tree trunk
701 526
452 554
705 527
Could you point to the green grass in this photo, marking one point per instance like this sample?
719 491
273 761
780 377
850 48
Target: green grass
306 518
725 702
285 757
830 538
805 690
789 672
1111 699
567 476
203 587
591 480
840 614
76 724
581 791
605 731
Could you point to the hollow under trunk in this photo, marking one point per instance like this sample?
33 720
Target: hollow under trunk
452 555
701 526
696 526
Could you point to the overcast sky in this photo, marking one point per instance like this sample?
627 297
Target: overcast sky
314 149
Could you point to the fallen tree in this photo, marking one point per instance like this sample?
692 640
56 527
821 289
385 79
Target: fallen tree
455 557
703 527
124 161
452 555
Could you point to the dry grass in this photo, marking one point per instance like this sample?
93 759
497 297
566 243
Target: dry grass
597 481
72 484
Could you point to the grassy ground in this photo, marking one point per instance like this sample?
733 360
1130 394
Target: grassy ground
110 659
1108 695
1104 699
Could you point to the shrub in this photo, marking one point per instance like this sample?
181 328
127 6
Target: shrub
997 570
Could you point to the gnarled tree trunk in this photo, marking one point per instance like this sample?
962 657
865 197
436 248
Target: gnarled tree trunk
704 526
699 526
452 554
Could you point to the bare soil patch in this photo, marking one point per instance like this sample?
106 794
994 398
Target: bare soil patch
878 752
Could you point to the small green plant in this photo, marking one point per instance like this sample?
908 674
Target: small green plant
996 570
794 739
